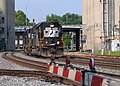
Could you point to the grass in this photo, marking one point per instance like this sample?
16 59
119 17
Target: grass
112 53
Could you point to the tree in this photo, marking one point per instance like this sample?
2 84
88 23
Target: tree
71 19
66 38
67 19
53 18
20 18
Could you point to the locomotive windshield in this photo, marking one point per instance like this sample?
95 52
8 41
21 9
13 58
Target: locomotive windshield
51 32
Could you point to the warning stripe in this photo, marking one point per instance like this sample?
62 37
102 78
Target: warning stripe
96 81
48 67
65 72
78 76
72 74
60 71
55 70
51 69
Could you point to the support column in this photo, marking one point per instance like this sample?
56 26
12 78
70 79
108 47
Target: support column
77 40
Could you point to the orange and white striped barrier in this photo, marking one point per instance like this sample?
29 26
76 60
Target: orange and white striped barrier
68 73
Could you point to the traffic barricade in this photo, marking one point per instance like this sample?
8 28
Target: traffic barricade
82 76
94 79
68 73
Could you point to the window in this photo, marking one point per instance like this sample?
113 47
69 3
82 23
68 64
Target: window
2 20
118 45
20 41
16 42
15 37
1 30
20 37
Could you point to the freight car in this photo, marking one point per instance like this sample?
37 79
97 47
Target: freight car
44 39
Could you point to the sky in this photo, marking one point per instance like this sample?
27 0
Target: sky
39 9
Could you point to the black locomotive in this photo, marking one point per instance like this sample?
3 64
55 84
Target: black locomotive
44 39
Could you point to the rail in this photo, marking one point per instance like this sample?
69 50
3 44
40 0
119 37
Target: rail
40 72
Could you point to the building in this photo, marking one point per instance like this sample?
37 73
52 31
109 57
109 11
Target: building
101 23
20 34
2 38
7 19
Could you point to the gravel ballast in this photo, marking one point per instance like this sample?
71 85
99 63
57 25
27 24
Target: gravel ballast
32 81
25 81
21 81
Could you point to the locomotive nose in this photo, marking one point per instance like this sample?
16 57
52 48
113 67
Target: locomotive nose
52 50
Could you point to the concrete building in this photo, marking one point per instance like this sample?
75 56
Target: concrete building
2 38
7 36
101 23
20 37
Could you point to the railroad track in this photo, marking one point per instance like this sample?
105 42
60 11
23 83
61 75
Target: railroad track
26 62
105 62
43 66
21 73
110 62
98 63
40 72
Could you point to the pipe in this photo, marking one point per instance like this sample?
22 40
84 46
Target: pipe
102 33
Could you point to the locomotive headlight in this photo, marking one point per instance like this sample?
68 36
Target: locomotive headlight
58 42
46 42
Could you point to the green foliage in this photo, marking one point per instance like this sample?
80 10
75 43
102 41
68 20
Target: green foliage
66 39
97 53
112 53
52 18
67 19
116 53
20 18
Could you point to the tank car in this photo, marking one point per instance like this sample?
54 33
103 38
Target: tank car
45 39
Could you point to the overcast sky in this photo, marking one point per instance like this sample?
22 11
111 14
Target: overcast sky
38 9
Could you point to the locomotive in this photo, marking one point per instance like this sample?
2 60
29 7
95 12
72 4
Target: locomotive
44 39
